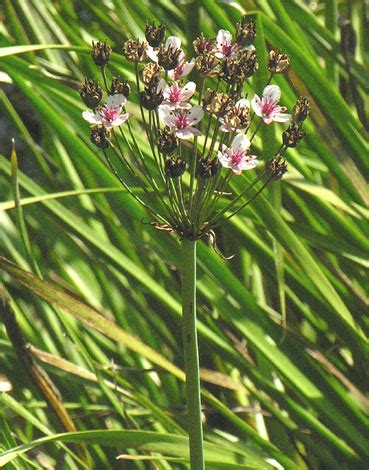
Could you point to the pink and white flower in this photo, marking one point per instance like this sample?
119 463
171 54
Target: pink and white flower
224 46
175 96
109 115
183 68
267 107
181 121
235 157
173 42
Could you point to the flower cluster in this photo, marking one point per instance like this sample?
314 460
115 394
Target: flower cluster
198 131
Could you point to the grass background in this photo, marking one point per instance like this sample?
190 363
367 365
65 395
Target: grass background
95 289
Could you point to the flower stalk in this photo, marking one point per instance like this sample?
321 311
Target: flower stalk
191 354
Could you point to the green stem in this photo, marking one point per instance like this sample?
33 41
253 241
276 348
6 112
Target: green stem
191 354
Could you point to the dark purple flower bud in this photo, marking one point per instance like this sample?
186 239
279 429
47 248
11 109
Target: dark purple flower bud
90 93
100 136
245 32
100 53
175 167
293 135
135 51
150 74
277 62
208 167
155 34
203 45
168 57
220 104
151 98
276 168
207 64
301 110
119 87
167 141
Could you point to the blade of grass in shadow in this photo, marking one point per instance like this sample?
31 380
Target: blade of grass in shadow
143 441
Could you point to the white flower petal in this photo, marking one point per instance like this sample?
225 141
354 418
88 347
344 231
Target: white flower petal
183 105
120 120
167 115
243 103
171 105
172 74
163 85
223 37
116 101
195 114
194 130
281 117
223 159
173 41
187 68
249 162
273 93
152 53
91 117
256 105
267 120
240 143
188 90
185 133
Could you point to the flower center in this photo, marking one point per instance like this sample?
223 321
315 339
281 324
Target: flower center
236 158
181 121
267 108
175 95
109 114
227 49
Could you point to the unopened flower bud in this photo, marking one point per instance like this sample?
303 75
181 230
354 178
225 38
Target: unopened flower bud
100 136
293 135
150 74
203 45
168 57
301 110
236 118
135 51
208 167
100 53
232 72
206 64
245 32
248 61
151 98
167 141
220 105
119 87
277 62
208 97
276 168
90 93
155 34
175 167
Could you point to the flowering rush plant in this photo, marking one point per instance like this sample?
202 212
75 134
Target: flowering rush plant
199 117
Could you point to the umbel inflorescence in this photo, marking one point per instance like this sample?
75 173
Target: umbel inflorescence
198 121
